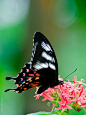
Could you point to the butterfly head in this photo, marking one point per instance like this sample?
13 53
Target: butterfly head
60 82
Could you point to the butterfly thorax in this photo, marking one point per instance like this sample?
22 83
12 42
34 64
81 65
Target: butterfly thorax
56 82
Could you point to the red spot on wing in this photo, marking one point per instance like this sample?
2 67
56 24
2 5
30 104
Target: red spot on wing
23 74
27 70
29 77
21 79
37 74
32 75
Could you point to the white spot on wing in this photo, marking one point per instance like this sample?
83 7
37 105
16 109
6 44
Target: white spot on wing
48 57
52 66
46 46
40 65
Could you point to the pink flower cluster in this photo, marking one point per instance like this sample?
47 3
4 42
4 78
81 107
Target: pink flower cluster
66 96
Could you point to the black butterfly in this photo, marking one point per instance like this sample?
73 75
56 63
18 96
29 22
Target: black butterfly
41 71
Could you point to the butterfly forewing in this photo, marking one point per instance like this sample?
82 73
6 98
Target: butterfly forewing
43 57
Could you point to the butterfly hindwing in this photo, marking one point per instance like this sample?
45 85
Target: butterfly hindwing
26 79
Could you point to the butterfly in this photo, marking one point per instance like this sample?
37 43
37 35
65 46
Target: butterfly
41 71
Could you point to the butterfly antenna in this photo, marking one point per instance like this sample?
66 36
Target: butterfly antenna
71 73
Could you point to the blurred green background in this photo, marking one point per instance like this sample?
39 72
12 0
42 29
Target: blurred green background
63 22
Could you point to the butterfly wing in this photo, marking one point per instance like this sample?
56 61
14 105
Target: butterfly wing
43 58
44 61
41 71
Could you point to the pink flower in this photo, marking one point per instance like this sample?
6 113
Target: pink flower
69 95
47 96
37 95
53 105
83 98
80 82
64 105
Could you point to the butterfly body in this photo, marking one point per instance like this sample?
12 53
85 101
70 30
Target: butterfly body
41 71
